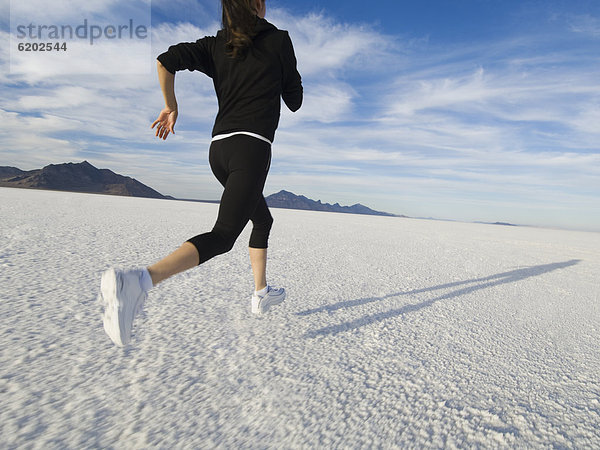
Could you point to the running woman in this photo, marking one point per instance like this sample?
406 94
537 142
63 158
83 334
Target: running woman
253 66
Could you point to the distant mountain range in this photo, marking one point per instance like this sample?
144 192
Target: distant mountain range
289 200
81 177
84 177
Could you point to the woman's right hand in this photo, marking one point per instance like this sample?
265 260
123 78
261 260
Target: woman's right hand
166 123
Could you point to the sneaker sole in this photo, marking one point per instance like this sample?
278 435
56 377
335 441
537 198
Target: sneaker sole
114 315
108 288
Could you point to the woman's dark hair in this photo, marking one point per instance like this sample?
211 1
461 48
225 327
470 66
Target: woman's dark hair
239 22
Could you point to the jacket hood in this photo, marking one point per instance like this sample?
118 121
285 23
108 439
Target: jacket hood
263 26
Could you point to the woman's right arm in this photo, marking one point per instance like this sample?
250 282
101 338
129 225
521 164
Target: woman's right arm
292 82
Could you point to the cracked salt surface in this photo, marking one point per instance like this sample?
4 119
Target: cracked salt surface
395 333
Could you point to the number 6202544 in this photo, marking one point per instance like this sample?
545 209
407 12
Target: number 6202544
42 46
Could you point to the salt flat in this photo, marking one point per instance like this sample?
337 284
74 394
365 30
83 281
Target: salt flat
396 333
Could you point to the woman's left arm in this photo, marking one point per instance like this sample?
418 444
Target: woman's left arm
168 116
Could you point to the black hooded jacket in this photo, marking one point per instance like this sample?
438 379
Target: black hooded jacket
249 87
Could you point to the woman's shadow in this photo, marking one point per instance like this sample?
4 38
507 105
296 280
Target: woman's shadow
472 285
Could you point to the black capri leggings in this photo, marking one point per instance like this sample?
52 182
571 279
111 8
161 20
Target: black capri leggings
241 164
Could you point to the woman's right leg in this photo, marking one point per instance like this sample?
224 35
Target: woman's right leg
261 227
258 261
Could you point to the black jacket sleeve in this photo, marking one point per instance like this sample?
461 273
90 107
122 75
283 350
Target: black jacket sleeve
292 82
189 55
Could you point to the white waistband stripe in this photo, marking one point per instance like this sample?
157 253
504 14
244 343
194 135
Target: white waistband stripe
218 137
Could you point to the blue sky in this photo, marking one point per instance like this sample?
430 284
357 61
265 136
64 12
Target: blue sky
466 109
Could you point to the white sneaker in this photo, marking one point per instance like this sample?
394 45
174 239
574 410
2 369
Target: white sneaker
123 299
261 304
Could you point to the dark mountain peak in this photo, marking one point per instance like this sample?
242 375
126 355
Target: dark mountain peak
289 200
76 177
9 172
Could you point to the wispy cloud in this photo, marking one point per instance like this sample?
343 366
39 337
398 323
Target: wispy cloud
67 10
325 48
586 24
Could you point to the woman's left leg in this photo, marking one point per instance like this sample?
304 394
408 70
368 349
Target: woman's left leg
182 259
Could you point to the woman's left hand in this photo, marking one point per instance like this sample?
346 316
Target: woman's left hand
166 123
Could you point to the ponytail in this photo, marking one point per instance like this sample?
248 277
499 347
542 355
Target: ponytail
239 22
